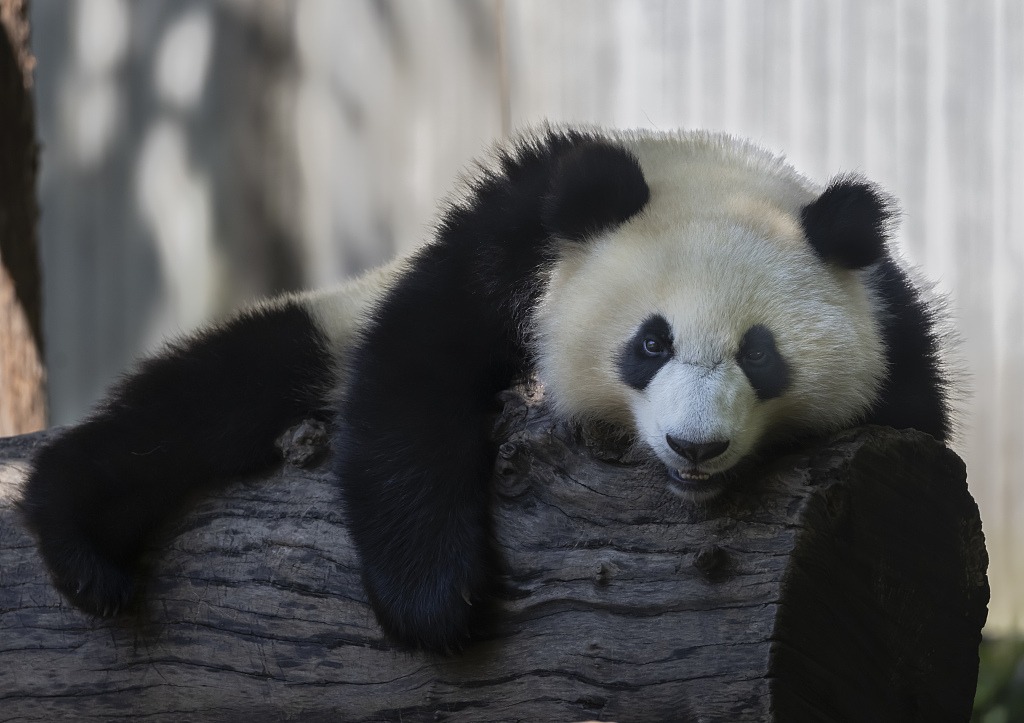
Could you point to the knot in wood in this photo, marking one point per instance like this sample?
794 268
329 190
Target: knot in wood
711 560
508 450
305 445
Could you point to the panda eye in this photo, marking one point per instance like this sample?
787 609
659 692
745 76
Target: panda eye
653 347
755 357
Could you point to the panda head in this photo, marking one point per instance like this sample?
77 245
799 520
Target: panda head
710 299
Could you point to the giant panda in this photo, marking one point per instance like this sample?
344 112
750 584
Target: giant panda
690 288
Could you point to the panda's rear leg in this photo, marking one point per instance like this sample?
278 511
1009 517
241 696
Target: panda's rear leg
91 582
93 554
192 418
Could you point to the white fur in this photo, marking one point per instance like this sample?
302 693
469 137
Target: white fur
718 249
341 312
699 404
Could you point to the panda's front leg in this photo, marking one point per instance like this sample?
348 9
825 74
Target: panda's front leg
422 529
414 458
413 455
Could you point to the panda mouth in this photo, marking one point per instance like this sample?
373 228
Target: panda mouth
692 483
687 476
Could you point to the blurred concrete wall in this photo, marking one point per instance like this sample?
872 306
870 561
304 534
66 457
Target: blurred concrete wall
200 153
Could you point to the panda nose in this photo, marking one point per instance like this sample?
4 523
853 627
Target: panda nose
696 452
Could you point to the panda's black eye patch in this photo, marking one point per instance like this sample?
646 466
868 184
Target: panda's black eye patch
646 352
760 360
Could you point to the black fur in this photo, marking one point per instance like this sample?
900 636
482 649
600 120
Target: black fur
848 223
596 186
638 361
413 454
916 390
207 409
760 360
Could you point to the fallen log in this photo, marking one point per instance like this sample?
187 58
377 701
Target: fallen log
843 582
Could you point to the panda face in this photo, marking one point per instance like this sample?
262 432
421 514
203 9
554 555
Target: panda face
700 415
721 397
709 326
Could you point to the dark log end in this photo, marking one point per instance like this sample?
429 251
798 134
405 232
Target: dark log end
886 591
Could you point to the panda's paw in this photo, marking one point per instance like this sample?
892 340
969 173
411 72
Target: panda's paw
89 581
437 611
87 535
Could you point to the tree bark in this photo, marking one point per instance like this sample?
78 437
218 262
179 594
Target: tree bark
22 398
843 582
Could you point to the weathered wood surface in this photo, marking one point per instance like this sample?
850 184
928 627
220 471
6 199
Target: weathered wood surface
847 582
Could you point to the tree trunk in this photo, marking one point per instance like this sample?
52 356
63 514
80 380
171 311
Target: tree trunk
22 400
844 582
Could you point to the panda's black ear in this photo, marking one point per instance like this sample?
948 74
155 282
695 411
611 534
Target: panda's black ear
594 186
849 223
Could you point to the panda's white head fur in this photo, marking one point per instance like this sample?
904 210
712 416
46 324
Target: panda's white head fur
709 322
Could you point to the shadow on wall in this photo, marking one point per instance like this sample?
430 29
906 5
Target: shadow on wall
165 190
